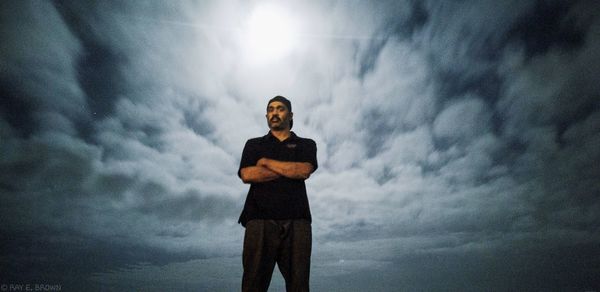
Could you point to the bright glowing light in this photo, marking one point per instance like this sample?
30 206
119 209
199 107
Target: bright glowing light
270 33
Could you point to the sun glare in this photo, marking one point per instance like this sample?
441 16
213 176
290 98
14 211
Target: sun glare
270 33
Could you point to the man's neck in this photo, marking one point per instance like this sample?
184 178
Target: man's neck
281 134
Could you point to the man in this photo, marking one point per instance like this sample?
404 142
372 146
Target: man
276 212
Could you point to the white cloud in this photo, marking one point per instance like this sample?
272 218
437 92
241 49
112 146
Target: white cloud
463 120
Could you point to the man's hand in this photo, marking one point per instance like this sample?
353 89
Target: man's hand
262 162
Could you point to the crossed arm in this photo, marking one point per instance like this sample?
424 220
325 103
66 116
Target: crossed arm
269 169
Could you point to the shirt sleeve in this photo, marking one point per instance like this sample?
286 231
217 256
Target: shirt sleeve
249 157
309 154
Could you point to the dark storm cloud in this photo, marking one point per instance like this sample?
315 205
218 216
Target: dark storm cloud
38 77
479 167
191 206
459 142
86 148
548 25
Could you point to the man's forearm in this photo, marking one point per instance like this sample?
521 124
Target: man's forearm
293 170
257 174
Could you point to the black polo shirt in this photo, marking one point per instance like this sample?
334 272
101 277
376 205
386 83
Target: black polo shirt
282 198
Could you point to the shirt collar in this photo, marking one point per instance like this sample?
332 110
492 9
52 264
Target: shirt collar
290 138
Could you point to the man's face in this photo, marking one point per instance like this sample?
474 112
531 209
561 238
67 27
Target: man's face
278 116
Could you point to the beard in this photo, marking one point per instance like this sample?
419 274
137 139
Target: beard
277 124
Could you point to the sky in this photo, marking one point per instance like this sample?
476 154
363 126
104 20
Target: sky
458 141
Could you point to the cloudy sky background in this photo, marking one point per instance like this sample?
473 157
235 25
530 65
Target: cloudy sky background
458 141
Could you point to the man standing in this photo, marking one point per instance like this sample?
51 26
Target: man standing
276 212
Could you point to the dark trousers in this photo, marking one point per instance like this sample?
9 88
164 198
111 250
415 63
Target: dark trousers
285 242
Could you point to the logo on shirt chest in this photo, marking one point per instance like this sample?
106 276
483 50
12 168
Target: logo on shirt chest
291 146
